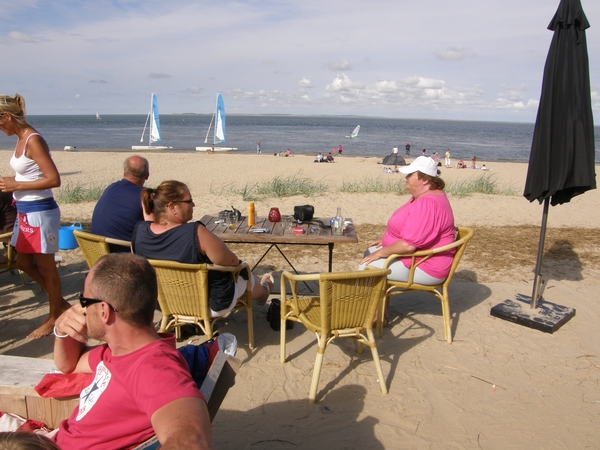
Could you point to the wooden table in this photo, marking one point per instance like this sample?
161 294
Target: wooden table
315 233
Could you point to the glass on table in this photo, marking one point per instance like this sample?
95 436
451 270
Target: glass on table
231 220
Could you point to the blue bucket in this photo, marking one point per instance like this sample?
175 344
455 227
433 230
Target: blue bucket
66 240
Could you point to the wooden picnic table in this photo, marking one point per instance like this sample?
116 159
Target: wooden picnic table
315 232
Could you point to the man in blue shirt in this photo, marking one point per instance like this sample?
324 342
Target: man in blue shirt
120 206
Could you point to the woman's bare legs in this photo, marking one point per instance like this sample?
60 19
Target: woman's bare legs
42 269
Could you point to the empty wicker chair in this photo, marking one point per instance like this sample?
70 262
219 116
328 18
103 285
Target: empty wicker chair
464 235
183 295
346 307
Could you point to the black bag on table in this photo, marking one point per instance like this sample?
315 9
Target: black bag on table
304 213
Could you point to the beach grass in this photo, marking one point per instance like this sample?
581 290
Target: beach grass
485 183
75 193
277 187
375 185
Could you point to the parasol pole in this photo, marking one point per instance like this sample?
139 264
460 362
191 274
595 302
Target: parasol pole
538 281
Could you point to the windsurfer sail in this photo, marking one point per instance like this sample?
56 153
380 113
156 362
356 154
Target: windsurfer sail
354 134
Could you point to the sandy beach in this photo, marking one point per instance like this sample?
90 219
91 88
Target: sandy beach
499 385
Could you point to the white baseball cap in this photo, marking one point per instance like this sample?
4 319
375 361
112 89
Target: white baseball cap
423 164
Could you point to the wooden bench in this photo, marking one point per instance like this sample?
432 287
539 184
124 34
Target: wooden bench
19 376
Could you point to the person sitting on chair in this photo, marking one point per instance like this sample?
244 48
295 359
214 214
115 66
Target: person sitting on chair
120 206
171 236
142 386
426 221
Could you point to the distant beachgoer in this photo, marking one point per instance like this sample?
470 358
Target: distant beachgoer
340 149
319 158
461 164
424 152
447 160
288 152
407 147
474 163
483 167
329 158
258 150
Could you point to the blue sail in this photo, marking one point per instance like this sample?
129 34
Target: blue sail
155 121
220 121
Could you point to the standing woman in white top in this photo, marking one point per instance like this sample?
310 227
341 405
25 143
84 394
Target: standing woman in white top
35 235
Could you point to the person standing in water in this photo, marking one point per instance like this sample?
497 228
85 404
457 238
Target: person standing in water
35 235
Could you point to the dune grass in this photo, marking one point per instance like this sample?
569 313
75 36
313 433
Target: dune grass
485 183
277 187
374 185
70 193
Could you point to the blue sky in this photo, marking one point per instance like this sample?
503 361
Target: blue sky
436 59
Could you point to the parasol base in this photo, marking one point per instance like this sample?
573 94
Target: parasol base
547 317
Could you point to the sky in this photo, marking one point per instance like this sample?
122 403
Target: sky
427 59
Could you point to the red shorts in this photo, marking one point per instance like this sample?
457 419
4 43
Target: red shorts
36 232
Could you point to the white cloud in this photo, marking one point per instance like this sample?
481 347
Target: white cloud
339 64
305 83
454 53
21 37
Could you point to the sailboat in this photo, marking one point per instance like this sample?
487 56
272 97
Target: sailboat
154 131
354 134
218 130
98 116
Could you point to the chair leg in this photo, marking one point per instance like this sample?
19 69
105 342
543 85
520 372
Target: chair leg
377 362
446 316
282 341
250 327
316 374
381 314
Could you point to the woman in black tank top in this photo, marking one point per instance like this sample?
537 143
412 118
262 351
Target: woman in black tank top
171 236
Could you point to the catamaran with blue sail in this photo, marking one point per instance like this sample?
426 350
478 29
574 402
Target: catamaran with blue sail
219 129
154 131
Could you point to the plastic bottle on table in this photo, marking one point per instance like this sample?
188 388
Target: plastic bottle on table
251 214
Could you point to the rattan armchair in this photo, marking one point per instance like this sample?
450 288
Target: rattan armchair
94 246
464 235
183 295
346 307
11 263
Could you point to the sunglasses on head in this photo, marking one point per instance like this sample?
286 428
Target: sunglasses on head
85 302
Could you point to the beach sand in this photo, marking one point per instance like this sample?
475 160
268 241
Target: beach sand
499 385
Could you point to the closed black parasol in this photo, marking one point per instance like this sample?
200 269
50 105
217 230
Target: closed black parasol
561 164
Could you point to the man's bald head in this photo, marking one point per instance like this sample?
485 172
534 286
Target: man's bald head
136 169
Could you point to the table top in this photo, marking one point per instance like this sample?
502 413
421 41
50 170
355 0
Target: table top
315 232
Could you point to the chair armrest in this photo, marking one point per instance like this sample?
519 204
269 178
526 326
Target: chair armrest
219 268
118 242
6 235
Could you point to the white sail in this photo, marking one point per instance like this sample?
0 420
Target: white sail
154 132
355 132
219 128
154 122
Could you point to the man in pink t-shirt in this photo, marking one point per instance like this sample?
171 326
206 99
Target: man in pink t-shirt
142 386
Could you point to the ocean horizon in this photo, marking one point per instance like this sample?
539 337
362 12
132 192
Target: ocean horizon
309 135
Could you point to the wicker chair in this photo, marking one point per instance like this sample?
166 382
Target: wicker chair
183 296
11 262
464 235
94 246
346 308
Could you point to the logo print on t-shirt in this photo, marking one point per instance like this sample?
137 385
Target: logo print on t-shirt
90 395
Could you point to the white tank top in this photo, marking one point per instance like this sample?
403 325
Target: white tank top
27 170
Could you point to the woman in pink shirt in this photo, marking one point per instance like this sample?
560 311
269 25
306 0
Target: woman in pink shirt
424 222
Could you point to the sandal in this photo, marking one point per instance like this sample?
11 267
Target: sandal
267 282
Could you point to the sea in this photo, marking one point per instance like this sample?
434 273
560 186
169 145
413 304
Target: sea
488 141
